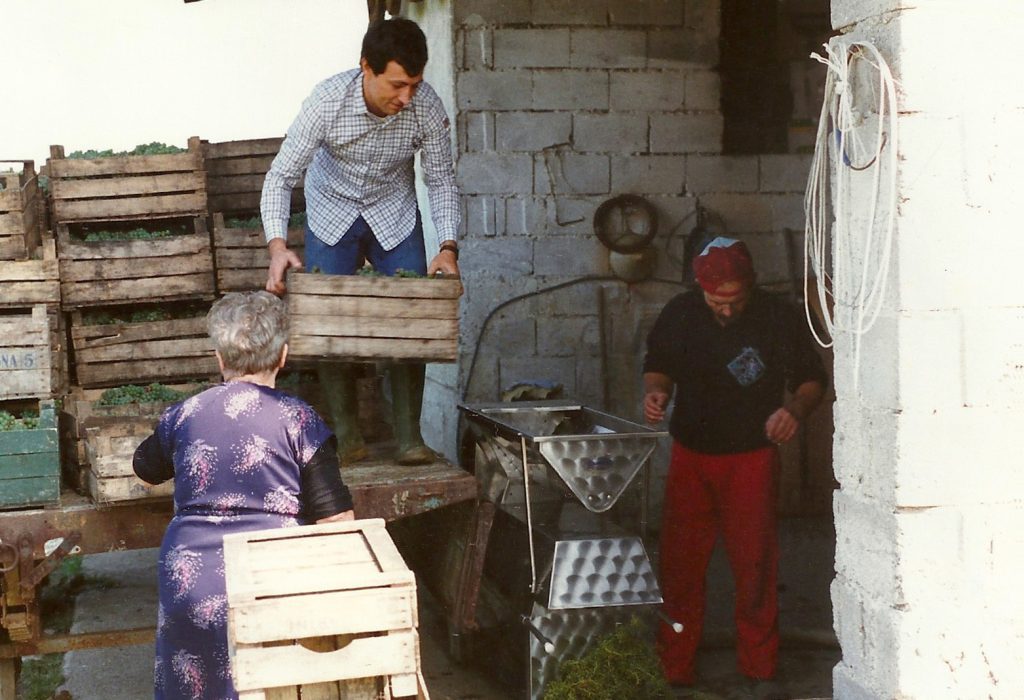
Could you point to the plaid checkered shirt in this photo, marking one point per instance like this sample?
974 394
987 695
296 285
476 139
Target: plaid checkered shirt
361 164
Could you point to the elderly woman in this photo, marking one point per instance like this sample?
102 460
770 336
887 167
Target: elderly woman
243 456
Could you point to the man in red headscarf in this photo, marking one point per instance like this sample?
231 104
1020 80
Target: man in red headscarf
730 353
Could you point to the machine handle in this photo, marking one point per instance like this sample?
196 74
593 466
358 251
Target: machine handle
549 646
677 627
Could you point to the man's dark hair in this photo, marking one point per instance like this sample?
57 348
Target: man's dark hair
400 40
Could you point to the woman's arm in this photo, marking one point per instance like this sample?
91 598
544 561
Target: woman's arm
324 496
151 463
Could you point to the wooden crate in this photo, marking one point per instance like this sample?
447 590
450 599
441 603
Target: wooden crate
145 352
327 609
81 413
127 187
240 255
25 283
110 448
30 463
20 209
140 271
33 356
358 318
235 174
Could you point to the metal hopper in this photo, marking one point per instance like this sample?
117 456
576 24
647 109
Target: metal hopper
595 454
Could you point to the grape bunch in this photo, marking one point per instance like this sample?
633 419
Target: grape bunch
151 393
135 234
144 149
29 420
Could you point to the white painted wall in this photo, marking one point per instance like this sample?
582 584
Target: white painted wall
116 73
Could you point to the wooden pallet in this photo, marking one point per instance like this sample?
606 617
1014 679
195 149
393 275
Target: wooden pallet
366 319
20 213
33 356
30 463
25 283
149 351
124 188
328 609
110 449
235 174
240 255
141 271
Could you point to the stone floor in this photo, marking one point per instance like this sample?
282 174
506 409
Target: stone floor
124 595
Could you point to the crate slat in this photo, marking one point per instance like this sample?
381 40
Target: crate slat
241 257
364 286
33 358
61 167
362 349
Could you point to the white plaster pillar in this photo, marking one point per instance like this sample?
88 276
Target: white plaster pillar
929 441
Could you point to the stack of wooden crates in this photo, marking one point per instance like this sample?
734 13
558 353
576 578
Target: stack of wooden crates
33 356
322 611
235 174
136 304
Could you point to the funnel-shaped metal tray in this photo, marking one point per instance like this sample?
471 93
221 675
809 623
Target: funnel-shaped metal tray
596 454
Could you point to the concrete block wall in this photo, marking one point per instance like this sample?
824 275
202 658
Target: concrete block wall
561 106
931 507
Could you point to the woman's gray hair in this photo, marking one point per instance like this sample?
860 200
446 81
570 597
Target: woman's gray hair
249 330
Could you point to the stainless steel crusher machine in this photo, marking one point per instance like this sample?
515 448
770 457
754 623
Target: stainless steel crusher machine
566 560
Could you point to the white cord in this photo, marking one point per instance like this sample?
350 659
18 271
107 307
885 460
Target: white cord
839 150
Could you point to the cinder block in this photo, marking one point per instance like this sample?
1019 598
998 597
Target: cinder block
476 12
609 48
510 256
499 90
663 13
526 216
495 173
531 48
788 213
572 12
481 378
477 48
866 548
531 131
704 17
686 133
681 49
742 213
478 131
573 215
848 685
617 132
570 89
785 172
565 256
510 328
588 380
864 451
721 174
568 336
647 91
993 344
560 171
480 216
703 91
558 370
772 261
648 174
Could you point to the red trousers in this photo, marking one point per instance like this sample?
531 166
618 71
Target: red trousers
733 494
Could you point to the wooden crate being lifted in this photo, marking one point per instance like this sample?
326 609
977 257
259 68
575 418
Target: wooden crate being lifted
321 611
127 188
145 351
20 212
366 319
241 256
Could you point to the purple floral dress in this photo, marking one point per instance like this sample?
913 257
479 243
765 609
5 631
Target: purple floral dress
237 451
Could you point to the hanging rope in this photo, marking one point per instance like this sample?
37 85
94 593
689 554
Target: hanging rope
841 150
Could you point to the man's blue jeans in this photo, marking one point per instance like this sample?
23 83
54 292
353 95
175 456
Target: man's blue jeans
358 245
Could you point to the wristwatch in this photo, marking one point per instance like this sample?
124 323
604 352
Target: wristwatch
451 245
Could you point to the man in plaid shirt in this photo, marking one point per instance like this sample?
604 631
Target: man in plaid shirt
355 138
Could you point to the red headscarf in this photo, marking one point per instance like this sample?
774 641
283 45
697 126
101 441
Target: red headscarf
723 260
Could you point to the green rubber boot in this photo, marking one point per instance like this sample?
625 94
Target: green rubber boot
338 382
406 405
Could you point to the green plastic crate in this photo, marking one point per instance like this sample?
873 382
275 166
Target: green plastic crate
30 463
